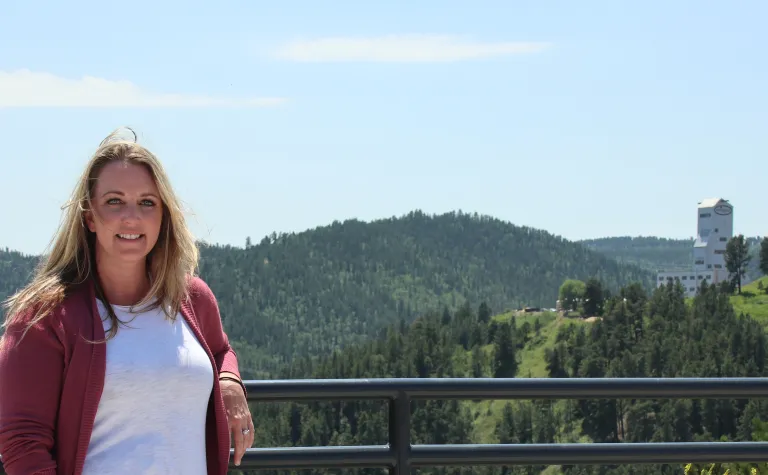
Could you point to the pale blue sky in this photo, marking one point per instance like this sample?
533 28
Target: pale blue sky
609 117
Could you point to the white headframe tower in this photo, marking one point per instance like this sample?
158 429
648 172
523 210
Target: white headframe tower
714 229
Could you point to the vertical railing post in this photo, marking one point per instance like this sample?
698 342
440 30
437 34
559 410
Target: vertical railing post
400 433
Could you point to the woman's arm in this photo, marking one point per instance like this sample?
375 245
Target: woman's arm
232 388
207 311
31 371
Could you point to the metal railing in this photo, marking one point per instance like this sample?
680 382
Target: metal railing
400 455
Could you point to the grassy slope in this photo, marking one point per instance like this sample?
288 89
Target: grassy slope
531 364
753 301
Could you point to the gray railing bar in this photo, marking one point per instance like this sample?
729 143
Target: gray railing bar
507 388
589 454
295 458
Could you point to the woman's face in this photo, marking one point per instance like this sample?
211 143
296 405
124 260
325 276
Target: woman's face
127 212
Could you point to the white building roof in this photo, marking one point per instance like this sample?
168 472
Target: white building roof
711 202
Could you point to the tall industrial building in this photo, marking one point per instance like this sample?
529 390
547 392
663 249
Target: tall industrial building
714 229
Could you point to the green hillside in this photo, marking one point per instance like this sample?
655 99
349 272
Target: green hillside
752 302
309 293
639 335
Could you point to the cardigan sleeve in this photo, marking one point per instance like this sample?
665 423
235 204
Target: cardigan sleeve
207 310
31 373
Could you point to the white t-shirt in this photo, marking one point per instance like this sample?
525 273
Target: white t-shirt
152 413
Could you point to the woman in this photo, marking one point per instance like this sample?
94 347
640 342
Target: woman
114 359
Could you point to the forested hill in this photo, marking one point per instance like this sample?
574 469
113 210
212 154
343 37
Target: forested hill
638 335
308 293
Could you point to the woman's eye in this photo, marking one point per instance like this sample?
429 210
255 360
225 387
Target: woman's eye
148 203
113 201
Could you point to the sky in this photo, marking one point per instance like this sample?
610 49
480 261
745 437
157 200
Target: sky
587 119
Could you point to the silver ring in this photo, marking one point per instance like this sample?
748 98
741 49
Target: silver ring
246 431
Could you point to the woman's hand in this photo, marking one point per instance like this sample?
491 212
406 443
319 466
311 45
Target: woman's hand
238 415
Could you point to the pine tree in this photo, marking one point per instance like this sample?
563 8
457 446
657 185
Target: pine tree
736 259
505 364
483 313
764 257
593 298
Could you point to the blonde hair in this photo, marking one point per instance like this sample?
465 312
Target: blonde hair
71 261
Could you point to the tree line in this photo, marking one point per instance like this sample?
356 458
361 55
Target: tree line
640 334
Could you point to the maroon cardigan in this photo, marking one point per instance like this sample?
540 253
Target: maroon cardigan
51 383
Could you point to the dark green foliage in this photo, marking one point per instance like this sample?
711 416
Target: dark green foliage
593 298
659 337
640 335
737 259
313 292
504 362
15 271
763 257
423 349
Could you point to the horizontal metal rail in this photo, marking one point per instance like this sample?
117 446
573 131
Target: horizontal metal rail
399 455
294 458
507 388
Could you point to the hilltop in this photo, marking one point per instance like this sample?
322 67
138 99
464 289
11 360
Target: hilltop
308 293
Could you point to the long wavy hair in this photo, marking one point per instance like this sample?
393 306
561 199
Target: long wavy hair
71 260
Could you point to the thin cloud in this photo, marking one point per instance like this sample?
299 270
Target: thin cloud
401 48
24 88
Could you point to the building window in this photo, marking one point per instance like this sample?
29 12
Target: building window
705 215
692 289
700 262
718 266
685 277
661 277
701 277
723 239
709 266
719 251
